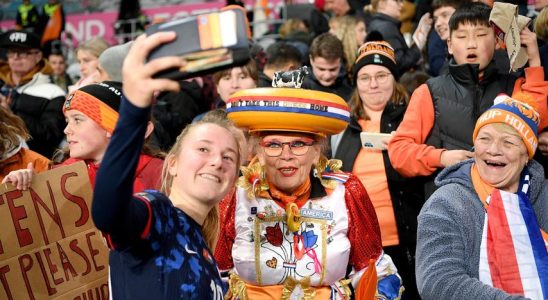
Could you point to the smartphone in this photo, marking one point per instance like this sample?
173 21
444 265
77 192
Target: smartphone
208 42
373 140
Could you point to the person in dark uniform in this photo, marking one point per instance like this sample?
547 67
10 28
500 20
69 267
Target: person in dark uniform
162 241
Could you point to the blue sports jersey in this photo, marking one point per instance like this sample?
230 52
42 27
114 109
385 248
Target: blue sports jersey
172 262
158 250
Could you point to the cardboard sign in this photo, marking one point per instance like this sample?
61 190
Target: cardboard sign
49 246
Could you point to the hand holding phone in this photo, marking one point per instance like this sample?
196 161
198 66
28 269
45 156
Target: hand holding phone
207 42
138 84
374 140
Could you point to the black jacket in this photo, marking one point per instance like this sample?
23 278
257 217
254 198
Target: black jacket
459 99
40 104
341 87
264 81
406 58
174 111
406 193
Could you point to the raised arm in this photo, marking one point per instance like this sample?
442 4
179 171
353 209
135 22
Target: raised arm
115 210
408 153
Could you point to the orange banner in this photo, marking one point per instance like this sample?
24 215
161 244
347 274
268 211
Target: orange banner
53 28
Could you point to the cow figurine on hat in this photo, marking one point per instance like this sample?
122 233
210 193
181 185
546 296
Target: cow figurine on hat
293 79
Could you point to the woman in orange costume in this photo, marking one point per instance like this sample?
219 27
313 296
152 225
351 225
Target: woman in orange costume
296 227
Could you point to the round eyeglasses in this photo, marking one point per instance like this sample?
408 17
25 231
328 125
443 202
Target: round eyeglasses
380 77
275 148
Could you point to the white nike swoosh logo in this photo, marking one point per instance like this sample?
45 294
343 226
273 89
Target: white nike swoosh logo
189 251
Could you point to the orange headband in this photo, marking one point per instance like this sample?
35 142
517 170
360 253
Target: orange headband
94 108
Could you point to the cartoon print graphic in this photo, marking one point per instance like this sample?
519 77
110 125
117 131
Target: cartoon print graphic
308 239
272 263
293 252
291 245
274 235
525 109
293 217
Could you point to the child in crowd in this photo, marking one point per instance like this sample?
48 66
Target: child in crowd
235 79
59 76
437 128
231 80
442 10
91 113
328 68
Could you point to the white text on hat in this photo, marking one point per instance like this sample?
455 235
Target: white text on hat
20 37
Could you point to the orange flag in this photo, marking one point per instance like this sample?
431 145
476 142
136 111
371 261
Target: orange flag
53 28
367 287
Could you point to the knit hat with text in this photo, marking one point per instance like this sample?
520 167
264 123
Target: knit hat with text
376 52
518 114
99 101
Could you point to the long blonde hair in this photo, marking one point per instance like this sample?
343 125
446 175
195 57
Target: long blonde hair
345 29
95 46
541 24
210 227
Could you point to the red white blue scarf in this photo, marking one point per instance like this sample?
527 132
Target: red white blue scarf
513 255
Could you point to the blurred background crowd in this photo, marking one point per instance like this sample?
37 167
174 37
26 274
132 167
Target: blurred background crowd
376 55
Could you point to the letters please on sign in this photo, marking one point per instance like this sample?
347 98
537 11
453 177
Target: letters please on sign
49 247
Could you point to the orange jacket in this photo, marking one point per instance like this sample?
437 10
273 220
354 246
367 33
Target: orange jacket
20 161
408 153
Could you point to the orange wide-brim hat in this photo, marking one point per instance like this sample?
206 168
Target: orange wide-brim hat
288 109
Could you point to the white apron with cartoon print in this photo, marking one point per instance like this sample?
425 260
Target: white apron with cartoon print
266 252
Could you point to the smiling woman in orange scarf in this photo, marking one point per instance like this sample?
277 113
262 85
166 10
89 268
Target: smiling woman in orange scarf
482 234
296 222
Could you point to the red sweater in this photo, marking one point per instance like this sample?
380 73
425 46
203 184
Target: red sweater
147 176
